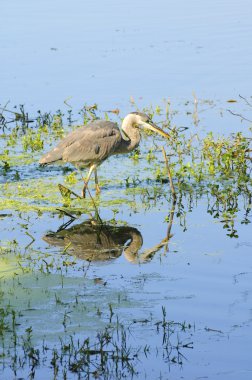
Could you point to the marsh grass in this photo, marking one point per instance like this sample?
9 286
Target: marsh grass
201 165
112 351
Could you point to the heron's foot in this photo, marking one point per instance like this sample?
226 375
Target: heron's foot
98 189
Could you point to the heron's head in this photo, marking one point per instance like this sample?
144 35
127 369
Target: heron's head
141 119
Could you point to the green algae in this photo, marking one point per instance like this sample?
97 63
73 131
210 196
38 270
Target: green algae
8 267
17 160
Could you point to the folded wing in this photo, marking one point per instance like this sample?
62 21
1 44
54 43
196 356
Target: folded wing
88 144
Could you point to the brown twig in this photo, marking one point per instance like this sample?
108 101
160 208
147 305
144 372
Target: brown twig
242 97
174 196
171 217
66 213
92 199
148 254
169 174
96 209
239 115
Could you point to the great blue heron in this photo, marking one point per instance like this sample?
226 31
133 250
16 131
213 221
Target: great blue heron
98 242
90 145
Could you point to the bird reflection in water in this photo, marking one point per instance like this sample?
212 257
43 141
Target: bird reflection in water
98 242
102 242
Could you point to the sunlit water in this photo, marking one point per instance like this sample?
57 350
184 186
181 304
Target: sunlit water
203 279
105 53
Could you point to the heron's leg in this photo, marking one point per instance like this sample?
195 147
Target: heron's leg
92 167
98 189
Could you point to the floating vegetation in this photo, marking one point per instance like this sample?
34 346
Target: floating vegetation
57 243
201 164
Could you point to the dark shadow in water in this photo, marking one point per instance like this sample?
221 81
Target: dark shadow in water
98 242
102 242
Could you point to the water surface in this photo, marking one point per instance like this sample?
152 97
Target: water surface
106 52
51 295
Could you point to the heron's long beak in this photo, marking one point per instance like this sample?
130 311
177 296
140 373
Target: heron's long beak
153 127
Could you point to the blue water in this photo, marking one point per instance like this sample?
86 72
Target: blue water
105 52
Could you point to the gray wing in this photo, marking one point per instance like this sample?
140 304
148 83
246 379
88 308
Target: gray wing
91 143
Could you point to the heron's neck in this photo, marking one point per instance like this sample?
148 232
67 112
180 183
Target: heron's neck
130 134
135 244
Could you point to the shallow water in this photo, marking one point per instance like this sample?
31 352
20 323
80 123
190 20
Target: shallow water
55 294
201 277
201 280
